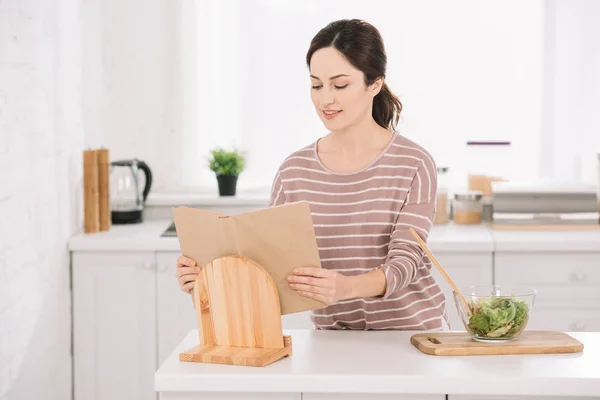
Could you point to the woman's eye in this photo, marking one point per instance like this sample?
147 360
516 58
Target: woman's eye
316 87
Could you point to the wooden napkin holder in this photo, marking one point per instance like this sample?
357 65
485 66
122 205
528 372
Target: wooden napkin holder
239 317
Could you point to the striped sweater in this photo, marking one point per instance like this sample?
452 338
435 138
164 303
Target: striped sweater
361 221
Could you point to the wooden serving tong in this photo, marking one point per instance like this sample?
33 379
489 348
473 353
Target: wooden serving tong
441 269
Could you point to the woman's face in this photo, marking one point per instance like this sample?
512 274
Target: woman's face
338 91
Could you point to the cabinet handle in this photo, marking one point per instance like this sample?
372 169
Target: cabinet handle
163 267
578 276
148 264
578 326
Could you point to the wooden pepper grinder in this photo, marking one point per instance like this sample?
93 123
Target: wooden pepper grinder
91 209
104 189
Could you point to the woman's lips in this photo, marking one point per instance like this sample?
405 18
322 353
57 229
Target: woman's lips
329 114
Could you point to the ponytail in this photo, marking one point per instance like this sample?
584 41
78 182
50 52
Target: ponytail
386 108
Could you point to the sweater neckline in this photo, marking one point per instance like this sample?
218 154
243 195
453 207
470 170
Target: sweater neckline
363 169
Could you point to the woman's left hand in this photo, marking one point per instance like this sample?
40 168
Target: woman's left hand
320 284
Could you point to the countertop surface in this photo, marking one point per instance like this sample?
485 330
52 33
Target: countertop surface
386 362
146 236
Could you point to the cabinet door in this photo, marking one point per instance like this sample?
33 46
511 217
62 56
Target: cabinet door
558 317
229 396
176 315
361 396
114 326
465 269
567 285
490 397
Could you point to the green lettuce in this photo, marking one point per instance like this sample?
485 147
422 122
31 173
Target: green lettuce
498 317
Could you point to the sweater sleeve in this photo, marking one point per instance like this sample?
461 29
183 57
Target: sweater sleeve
277 196
404 254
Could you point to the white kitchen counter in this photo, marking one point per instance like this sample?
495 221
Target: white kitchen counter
443 238
146 237
135 237
373 362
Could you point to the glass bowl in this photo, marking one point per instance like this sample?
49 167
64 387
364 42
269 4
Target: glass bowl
494 313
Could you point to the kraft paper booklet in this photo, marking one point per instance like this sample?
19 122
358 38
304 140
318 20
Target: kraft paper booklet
278 238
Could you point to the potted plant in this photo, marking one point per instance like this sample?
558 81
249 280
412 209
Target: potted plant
227 165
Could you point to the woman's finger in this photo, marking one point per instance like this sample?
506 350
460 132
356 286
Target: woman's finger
312 271
187 278
310 288
309 280
182 260
187 287
181 271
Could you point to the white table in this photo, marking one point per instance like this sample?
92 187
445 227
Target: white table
378 365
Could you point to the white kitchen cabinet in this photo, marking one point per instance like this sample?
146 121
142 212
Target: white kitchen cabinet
359 396
174 309
229 396
567 285
114 324
564 318
488 397
465 269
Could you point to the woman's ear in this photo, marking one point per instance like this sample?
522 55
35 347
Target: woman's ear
376 86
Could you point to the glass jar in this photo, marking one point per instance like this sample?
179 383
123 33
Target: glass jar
468 208
442 206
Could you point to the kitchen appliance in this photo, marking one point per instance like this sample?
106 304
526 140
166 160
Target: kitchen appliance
544 205
127 195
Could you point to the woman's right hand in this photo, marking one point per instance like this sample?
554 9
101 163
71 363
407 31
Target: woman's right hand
187 271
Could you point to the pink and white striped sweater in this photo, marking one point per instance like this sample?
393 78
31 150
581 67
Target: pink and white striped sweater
361 221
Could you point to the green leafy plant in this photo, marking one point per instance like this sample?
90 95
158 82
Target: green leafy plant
498 318
227 163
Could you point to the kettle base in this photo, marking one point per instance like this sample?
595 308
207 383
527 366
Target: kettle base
126 217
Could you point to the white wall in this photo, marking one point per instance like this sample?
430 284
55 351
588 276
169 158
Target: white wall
132 84
157 82
572 96
40 142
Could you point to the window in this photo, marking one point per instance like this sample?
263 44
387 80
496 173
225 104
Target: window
464 71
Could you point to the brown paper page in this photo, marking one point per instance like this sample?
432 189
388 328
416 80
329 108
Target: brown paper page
278 238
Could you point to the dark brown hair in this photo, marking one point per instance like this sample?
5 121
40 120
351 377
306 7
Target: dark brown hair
362 45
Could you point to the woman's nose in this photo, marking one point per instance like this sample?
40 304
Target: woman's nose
326 97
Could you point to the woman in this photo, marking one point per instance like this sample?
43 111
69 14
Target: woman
366 186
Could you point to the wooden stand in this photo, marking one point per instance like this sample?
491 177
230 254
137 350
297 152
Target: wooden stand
238 313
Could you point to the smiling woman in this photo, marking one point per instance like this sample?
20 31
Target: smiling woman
366 186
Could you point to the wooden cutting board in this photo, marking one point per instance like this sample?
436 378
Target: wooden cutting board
461 344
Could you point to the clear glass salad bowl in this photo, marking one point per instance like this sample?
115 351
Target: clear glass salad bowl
492 313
